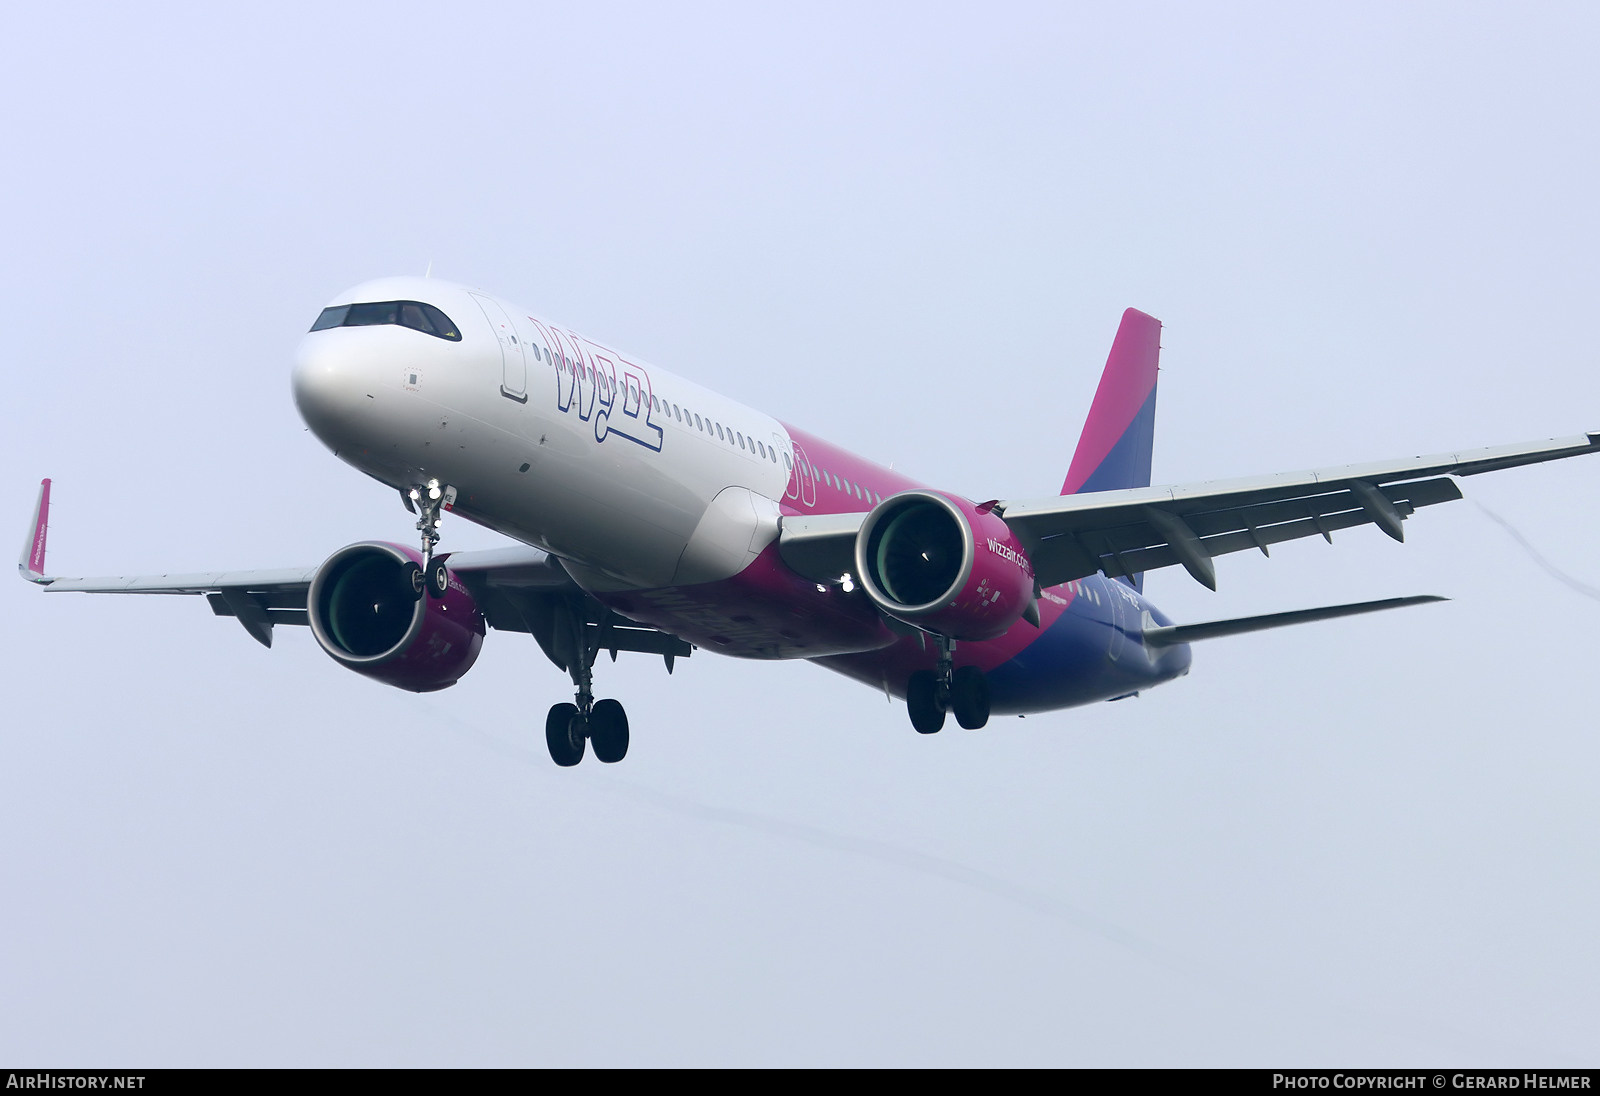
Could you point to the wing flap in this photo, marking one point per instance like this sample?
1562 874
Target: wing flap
1140 546
1261 515
1117 564
220 606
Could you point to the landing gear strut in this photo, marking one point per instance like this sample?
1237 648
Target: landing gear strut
932 693
428 500
602 723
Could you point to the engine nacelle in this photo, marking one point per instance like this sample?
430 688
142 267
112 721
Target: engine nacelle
939 563
365 613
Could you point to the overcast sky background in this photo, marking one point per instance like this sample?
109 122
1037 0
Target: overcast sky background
1370 231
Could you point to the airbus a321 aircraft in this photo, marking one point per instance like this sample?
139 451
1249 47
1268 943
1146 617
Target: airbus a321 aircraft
655 516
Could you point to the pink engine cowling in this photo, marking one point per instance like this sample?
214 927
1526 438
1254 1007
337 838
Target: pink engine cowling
938 562
367 616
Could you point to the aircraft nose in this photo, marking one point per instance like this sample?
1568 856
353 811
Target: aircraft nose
331 386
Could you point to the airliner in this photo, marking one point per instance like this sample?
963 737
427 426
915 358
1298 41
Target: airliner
654 516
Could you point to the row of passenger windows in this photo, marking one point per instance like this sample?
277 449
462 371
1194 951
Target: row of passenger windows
1079 587
413 314
849 488
707 426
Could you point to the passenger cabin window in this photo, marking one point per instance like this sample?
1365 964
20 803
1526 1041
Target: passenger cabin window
413 314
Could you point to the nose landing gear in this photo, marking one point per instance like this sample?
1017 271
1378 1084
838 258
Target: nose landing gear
428 500
932 693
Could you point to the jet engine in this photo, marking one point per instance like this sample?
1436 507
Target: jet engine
368 615
944 565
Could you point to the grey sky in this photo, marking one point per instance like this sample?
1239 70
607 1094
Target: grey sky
911 229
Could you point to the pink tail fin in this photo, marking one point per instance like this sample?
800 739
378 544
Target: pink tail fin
1114 450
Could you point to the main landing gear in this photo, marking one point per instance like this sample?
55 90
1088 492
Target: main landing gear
932 693
601 723
567 727
427 500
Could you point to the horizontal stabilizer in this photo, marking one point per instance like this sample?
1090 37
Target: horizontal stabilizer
1189 633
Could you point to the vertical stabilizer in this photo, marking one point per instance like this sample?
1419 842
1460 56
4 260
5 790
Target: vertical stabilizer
1114 449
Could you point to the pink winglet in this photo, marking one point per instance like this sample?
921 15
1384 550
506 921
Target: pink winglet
32 563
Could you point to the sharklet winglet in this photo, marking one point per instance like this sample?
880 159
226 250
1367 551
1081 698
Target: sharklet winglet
31 563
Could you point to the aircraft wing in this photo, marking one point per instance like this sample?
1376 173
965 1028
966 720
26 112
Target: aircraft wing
1125 532
516 588
498 578
1144 528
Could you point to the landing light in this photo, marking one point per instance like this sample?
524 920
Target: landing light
415 494
846 582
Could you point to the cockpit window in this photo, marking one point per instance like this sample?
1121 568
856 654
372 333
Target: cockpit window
372 315
413 314
331 317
